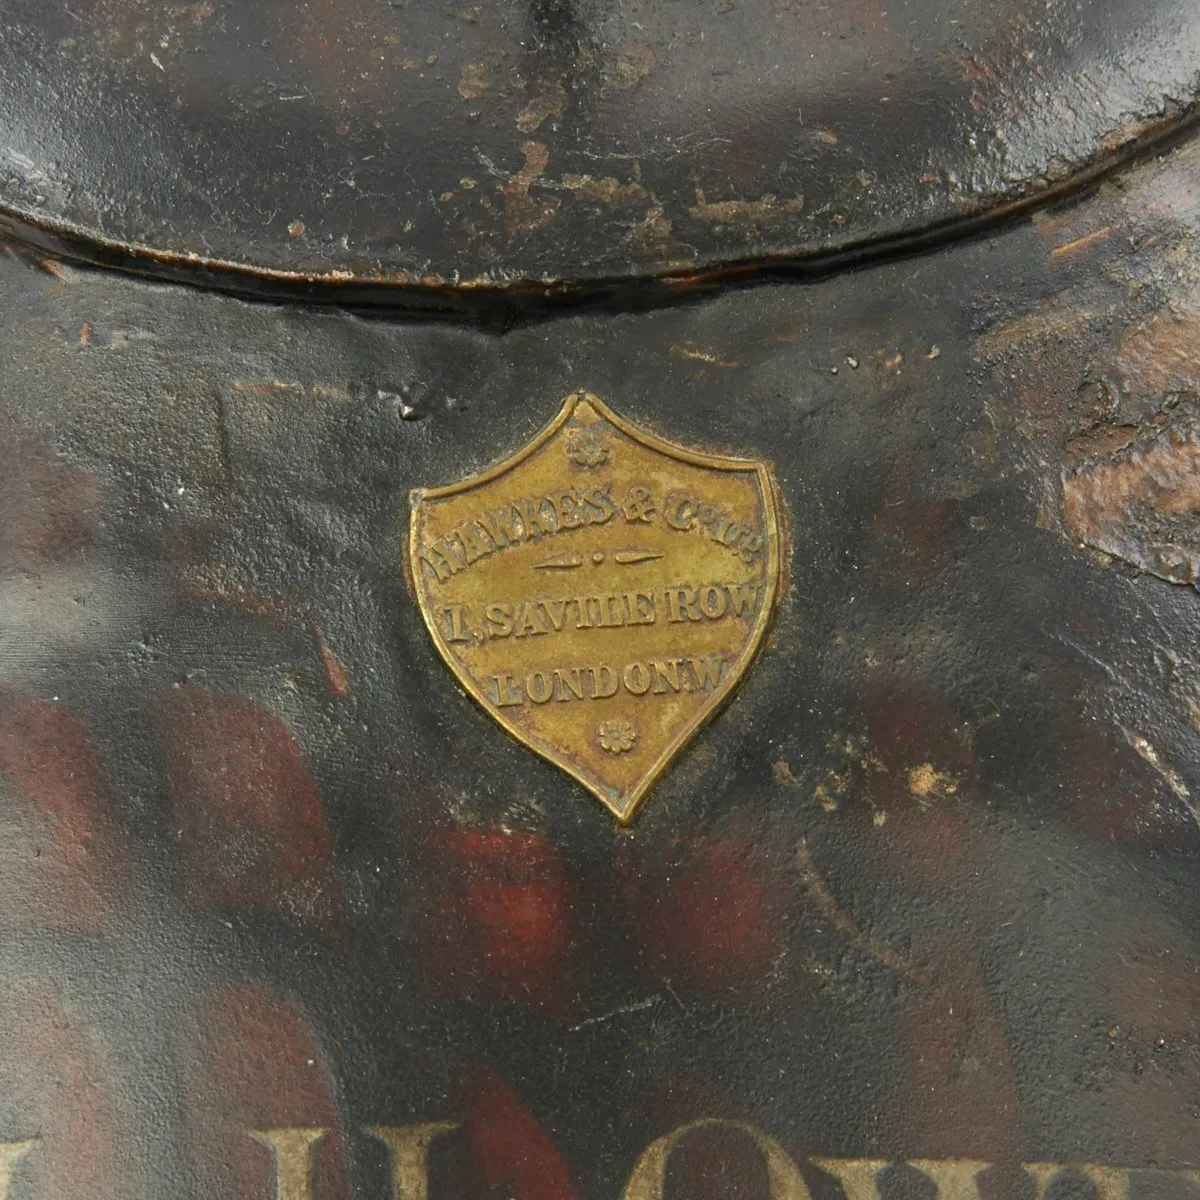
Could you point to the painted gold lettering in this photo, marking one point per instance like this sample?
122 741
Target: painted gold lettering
11 1153
648 1180
856 1175
408 1148
953 1179
293 1152
1110 1183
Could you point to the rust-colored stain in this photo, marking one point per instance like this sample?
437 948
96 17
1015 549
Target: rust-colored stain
1081 243
1067 315
1101 439
1162 354
1137 508
339 681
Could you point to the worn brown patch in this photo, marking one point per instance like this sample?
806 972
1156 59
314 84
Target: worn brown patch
745 212
1100 440
652 233
551 103
627 68
607 190
473 81
1141 508
1162 355
1067 315
523 213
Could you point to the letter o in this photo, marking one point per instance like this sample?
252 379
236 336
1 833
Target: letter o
733 531
636 678
712 601
649 1176
540 687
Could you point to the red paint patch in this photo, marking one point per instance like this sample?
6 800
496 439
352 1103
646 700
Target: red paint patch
250 824
57 1083
1114 796
499 918
511 1154
959 1096
253 1063
919 765
717 1163
915 529
49 507
710 916
64 865
1151 984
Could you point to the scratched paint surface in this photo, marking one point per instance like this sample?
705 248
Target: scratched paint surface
926 890
553 141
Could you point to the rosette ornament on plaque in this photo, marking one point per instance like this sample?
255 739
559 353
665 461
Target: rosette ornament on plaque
601 592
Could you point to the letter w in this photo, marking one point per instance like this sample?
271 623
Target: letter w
708 671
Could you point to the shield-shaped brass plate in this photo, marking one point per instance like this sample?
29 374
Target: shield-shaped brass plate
601 593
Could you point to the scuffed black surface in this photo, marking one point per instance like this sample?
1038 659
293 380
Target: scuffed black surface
248 468
325 140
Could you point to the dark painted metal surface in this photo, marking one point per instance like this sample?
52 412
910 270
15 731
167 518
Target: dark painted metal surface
927 890
403 142
925 894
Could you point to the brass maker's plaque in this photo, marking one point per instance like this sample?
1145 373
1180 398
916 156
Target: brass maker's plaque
601 592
